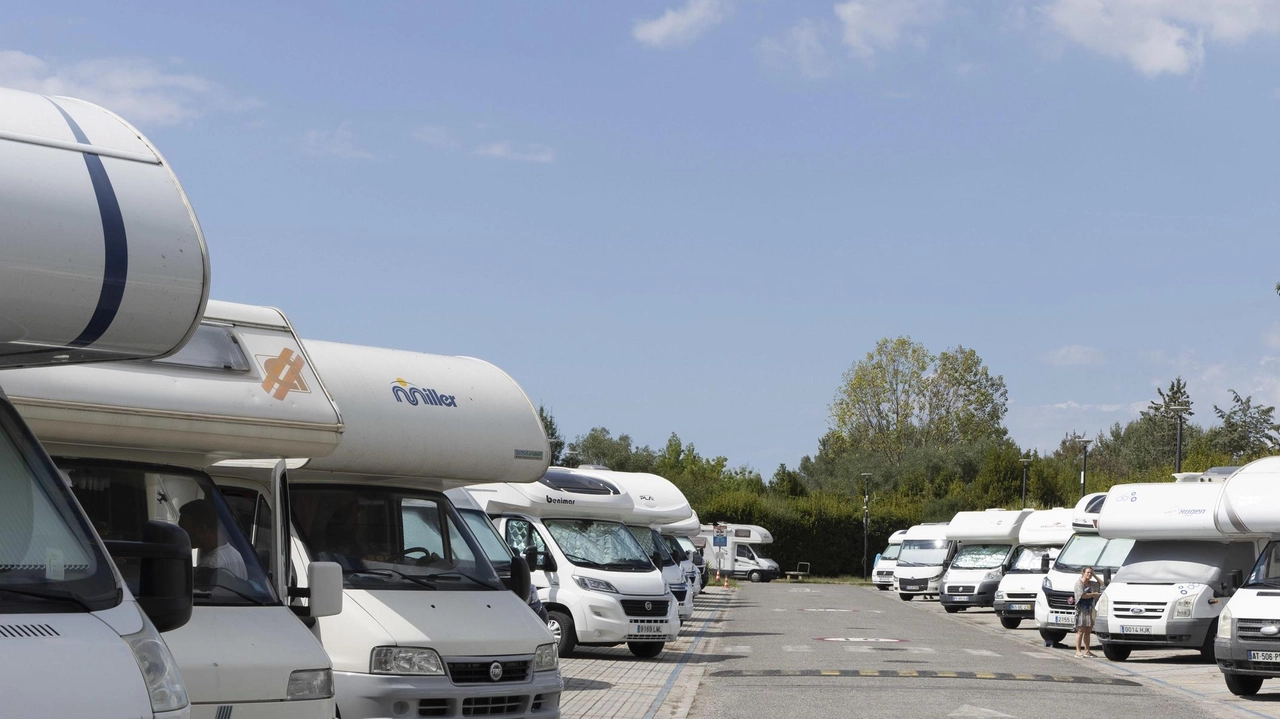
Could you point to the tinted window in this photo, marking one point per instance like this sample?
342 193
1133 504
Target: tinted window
577 483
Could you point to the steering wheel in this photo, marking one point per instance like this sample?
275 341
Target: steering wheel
428 556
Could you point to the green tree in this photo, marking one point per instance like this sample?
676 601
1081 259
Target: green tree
1247 430
599 446
962 401
553 434
787 482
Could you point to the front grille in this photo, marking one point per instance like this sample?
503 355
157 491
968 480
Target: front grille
959 589
1060 600
1138 611
1261 666
884 575
1250 630
491 706
433 707
679 594
910 585
636 608
1020 595
478 672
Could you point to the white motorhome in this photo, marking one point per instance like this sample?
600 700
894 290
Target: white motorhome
427 627
599 586
926 554
133 439
1056 600
677 536
490 539
882 573
1039 541
101 258
656 501
985 542
1171 588
741 557
1247 643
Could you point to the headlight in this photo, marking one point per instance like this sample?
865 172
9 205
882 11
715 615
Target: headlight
1182 608
1224 623
999 594
1046 584
310 684
405 660
159 670
546 659
595 585
1104 603
993 575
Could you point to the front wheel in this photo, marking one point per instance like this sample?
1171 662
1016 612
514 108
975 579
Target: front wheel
1242 685
950 609
882 587
1052 636
561 626
905 597
1010 622
1206 649
755 577
1116 654
646 650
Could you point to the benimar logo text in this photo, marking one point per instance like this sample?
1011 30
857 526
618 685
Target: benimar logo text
405 391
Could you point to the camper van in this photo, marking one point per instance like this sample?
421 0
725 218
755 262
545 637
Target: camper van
133 439
599 585
102 260
742 556
427 627
1039 540
655 502
985 543
1247 642
882 574
495 548
677 536
1056 600
1171 588
926 554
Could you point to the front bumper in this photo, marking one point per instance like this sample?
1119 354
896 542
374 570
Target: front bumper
883 579
984 595
378 695
304 709
1026 608
1233 656
1188 633
599 619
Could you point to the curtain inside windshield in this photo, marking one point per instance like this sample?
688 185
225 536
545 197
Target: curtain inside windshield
923 552
1028 559
590 542
980 556
891 551
1090 550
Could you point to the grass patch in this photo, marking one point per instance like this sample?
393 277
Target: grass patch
842 579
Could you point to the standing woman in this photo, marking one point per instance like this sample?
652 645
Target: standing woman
1088 589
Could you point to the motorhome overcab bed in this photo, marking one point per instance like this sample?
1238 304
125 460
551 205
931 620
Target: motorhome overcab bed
985 543
742 557
427 627
882 573
102 259
1175 581
1056 599
599 586
133 439
655 502
1039 541
926 554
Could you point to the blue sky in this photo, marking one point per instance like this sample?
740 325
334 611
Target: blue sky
695 215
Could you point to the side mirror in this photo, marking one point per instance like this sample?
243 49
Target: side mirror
324 584
530 557
165 575
1236 578
1106 576
519 581
656 558
1044 563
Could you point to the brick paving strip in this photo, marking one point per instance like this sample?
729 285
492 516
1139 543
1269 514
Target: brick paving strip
610 683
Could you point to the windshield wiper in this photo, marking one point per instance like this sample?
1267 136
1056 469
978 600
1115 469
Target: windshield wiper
460 575
389 573
50 595
628 564
581 560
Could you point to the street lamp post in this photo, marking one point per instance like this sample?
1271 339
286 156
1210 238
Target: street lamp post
1084 463
1026 464
1177 458
866 518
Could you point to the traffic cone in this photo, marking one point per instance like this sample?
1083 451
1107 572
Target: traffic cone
726 581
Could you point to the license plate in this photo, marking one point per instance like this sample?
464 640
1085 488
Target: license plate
957 597
1020 607
649 628
1264 656
1063 619
1126 629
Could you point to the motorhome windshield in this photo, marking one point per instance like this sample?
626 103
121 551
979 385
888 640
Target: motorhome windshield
923 553
677 552
689 547
1266 571
980 556
121 497
1090 550
652 545
1176 562
599 544
891 551
490 541
391 538
49 560
1030 560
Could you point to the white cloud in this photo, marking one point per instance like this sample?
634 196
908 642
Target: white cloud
435 136
140 90
1074 355
526 153
873 25
1161 36
339 142
1073 405
681 26
801 48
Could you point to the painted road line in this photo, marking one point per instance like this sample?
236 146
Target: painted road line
828 610
737 649
868 640
684 659
1039 655
797 648
981 652
922 674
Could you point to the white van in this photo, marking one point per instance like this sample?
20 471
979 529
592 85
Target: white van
985 543
742 555
133 439
599 586
103 260
678 537
1056 600
1247 643
882 573
427 628
926 554
1176 579
1039 541
655 502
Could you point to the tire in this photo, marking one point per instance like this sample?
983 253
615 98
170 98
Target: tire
1116 654
882 587
1206 649
950 609
1052 636
905 597
561 626
646 650
755 577
1242 685
1010 622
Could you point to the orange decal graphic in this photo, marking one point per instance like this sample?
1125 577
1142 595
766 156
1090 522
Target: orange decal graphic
283 374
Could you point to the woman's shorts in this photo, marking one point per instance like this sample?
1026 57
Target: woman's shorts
1084 618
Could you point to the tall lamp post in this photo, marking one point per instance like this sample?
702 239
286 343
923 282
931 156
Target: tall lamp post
1026 464
1084 463
866 518
1179 409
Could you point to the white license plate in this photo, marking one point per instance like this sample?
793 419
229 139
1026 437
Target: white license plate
1063 619
1126 629
1020 607
1264 656
957 597
649 629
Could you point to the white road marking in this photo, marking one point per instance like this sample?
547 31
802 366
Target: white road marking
1039 655
972 711
797 648
738 649
826 610
982 653
919 650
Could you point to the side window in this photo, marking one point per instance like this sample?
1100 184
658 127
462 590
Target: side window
744 552
262 532
520 534
253 518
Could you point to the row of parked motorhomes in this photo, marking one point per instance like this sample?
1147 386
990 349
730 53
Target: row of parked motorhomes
1193 563
203 515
